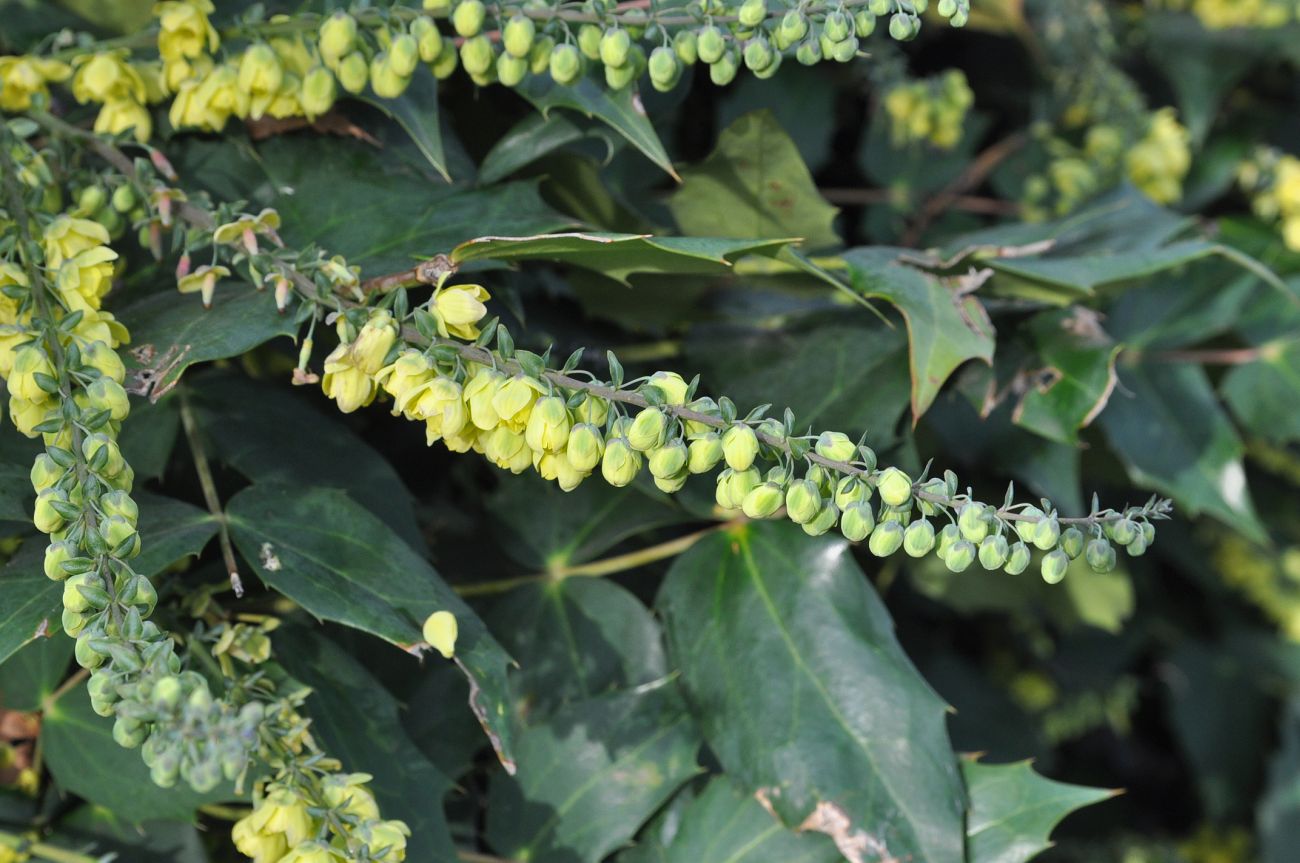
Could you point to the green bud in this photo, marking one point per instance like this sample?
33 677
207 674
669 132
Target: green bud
803 501
946 8
74 599
467 18
664 71
124 198
752 13
445 65
864 23
758 54
1054 566
511 70
91 199
1148 532
880 7
129 733
1025 528
87 656
620 463
1123 531
45 515
615 47
1018 559
960 556
809 52
845 51
762 500
56 554
353 73
45 472
948 537
993 552
517 37
895 487
539 56
973 520
476 54
648 429
825 520
103 694
1100 555
566 64
668 460
73 622
404 54
1138 546
428 38
903 26
589 36
1072 542
318 92
711 45
739 446
1047 533
684 43
733 485
338 36
857 522
120 536
851 489
886 539
704 453
836 27
794 26
119 503
918 539
723 72
584 447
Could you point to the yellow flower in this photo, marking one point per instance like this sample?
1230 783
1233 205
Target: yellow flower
207 103
27 415
185 31
338 35
458 309
107 76
348 385
310 852
548 425
97 325
1158 163
66 236
671 385
479 390
99 356
261 847
203 281
440 403
386 839
119 115
85 278
374 342
348 794
246 228
21 78
318 92
10 337
260 76
513 401
284 812
10 274
508 450
29 361
294 55
406 377
177 72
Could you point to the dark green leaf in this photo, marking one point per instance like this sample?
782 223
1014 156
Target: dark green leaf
1265 394
359 723
1278 813
619 109
169 530
32 603
534 137
591 775
416 111
725 824
338 561
85 760
619 255
171 332
944 329
1013 810
1167 428
579 637
789 661
31 674
1075 382
150 842
754 184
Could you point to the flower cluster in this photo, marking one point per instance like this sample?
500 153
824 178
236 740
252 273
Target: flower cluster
1227 14
1158 163
286 824
932 110
519 416
1273 181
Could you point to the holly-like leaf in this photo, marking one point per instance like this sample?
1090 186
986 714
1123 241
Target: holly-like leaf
754 184
1075 382
169 530
621 110
538 135
620 255
30 675
579 637
171 332
790 664
32 603
725 824
944 329
416 111
1013 810
85 760
1265 395
1168 429
333 557
359 722
591 775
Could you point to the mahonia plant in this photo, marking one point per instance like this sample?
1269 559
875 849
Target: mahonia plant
59 362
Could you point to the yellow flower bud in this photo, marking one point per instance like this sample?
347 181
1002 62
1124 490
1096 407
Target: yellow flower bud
895 487
118 532
739 446
184 29
46 518
585 447
620 463
803 502
850 490
119 503
73 599
348 385
592 409
353 73
458 309
404 55
45 472
427 38
347 792
836 446
104 359
385 839
107 76
762 500
513 401
668 460
671 385
91 446
283 812
374 342
66 236
261 847
508 450
825 520
734 485
548 425
704 453
56 553
479 390
338 36
317 92
29 361
385 80
27 415
310 852
648 429
467 18
440 631
477 55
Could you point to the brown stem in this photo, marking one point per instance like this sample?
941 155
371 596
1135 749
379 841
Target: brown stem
965 203
974 174
1222 357
210 497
